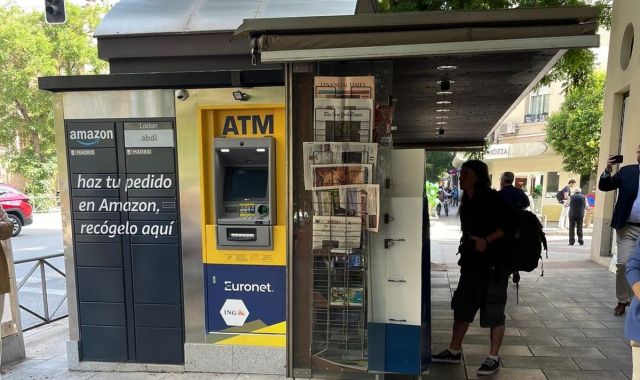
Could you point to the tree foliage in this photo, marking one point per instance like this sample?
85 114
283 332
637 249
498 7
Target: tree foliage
437 164
572 69
30 48
574 131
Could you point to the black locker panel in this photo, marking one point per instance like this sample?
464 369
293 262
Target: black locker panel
112 347
125 218
154 277
159 345
103 314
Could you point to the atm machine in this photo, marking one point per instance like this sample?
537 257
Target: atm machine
245 193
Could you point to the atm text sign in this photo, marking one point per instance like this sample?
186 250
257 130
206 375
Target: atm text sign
239 125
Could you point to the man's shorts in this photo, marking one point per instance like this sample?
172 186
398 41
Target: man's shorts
484 290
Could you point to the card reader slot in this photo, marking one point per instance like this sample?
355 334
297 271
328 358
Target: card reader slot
242 234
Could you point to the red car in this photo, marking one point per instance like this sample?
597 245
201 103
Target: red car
18 206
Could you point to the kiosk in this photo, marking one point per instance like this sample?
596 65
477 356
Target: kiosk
269 219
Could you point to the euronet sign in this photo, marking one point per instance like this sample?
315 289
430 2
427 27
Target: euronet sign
230 286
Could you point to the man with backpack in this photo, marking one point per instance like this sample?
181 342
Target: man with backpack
516 198
563 198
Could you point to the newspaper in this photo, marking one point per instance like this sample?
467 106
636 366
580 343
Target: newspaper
336 232
361 87
351 201
344 108
340 175
334 153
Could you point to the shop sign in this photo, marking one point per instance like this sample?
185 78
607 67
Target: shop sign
234 312
498 151
244 124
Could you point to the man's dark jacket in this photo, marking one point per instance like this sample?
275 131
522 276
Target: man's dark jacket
577 203
626 181
516 198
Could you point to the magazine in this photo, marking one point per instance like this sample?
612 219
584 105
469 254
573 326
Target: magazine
353 201
335 153
340 175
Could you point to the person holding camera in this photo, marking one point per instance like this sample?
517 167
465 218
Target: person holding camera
485 220
625 220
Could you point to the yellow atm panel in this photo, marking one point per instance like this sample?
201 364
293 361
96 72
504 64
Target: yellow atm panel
244 212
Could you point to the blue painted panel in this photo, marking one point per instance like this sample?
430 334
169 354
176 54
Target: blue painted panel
395 348
260 288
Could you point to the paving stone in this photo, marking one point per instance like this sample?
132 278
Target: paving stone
509 331
609 364
483 349
527 323
446 371
551 332
554 374
618 351
569 352
530 362
603 333
509 374
516 340
590 342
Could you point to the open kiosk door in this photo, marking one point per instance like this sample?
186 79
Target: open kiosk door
399 331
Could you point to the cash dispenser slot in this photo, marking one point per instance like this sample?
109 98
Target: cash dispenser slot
241 234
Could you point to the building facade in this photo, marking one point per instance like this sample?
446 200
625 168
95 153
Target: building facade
620 132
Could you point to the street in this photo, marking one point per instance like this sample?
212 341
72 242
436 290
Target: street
42 238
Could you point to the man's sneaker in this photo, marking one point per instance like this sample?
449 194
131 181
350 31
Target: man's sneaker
447 357
489 366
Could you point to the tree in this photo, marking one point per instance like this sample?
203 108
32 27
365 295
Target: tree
572 69
30 48
437 164
574 131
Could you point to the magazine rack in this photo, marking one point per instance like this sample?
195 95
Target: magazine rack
339 278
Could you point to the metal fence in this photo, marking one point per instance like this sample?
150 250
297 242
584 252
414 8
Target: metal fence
40 264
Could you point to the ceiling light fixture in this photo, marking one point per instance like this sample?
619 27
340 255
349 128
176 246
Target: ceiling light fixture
447 67
442 110
440 131
444 92
443 117
441 123
443 102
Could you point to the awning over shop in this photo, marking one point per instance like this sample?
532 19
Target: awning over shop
492 59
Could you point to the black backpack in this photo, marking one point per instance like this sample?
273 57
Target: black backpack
527 243
560 195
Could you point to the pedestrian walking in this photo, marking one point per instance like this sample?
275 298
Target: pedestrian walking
625 220
577 207
563 198
485 220
515 197
632 321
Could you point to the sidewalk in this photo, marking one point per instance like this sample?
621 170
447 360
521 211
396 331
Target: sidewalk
562 328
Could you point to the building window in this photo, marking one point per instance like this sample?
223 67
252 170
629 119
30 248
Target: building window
553 183
538 106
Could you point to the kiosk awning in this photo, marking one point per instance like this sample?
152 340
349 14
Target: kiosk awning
494 59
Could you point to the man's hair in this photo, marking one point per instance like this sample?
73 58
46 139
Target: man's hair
508 177
572 181
576 190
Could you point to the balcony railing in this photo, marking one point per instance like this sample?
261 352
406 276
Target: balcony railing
536 117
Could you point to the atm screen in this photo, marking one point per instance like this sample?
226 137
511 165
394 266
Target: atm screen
246 183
